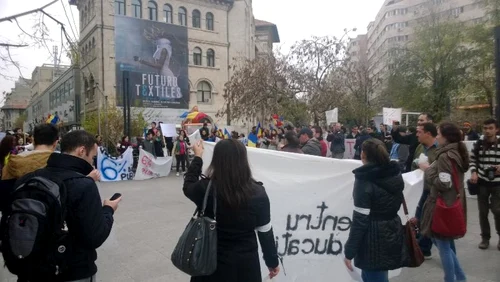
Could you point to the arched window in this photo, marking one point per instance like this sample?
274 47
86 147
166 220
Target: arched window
204 92
196 19
210 58
85 16
167 13
210 21
91 9
93 42
152 11
86 90
120 7
136 9
197 56
92 88
182 16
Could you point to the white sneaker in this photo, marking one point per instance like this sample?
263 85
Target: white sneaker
177 174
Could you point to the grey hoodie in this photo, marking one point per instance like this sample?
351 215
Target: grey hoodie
312 147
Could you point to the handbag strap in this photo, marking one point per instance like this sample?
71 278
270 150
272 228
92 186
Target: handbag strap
205 200
405 207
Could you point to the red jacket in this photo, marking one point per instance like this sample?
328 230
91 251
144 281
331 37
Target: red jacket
324 148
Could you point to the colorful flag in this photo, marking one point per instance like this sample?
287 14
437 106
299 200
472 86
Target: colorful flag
252 140
226 134
259 131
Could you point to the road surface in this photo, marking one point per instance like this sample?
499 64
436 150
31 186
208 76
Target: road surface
153 213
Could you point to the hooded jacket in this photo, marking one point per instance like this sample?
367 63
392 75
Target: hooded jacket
312 147
24 163
439 178
376 238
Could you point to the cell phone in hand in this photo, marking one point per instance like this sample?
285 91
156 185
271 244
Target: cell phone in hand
115 196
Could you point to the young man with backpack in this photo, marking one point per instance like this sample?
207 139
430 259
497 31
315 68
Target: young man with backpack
55 221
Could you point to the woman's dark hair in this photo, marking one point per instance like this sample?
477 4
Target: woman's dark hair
319 130
291 139
451 132
123 138
231 173
376 152
6 146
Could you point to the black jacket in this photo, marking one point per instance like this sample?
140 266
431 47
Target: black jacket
337 140
88 222
237 249
411 140
358 145
376 239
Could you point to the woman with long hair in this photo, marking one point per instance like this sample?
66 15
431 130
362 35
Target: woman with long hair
7 148
159 144
452 161
124 144
181 151
376 238
242 208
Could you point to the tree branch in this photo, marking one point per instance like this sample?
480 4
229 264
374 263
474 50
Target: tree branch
13 45
27 12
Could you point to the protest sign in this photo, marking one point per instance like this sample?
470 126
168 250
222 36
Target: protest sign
332 116
312 207
115 169
168 130
150 167
392 114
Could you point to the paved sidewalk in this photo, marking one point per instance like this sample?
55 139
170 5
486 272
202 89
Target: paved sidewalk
153 213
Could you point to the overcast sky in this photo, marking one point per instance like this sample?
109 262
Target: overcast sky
296 20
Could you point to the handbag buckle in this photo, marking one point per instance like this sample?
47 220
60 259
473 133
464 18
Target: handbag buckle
212 227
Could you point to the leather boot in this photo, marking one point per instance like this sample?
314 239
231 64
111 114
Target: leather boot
485 243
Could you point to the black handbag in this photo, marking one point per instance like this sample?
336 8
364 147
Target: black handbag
196 251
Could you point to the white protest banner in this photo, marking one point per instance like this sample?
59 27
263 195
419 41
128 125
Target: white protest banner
115 169
168 129
391 114
150 167
349 148
332 116
311 217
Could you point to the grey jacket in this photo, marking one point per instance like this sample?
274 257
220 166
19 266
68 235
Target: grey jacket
148 146
312 147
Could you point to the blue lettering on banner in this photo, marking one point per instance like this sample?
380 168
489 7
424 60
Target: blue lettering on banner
113 169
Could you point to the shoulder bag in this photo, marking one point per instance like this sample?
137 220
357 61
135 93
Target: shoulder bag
449 221
196 251
416 257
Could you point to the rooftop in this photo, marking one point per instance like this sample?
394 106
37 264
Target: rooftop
260 24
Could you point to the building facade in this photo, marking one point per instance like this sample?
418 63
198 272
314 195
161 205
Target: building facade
15 103
218 32
61 98
43 76
394 26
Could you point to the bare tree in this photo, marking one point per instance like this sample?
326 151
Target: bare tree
258 88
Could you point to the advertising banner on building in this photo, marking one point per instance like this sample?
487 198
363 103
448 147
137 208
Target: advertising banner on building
153 58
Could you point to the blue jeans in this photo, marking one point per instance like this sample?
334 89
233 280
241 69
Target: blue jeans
425 243
452 269
375 276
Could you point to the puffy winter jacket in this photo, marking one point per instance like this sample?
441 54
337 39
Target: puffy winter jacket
376 238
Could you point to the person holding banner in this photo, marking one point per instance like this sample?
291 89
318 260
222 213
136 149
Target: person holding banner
377 237
243 213
180 151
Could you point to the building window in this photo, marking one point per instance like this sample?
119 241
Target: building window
210 58
204 92
85 15
196 19
210 21
197 56
92 88
182 16
167 13
120 7
152 11
457 11
136 9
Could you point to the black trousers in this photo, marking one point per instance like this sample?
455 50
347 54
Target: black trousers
181 159
488 199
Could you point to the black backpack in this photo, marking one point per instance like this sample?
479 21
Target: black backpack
35 240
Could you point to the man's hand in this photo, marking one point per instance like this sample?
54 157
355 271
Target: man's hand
424 166
474 177
95 174
348 264
112 204
273 272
